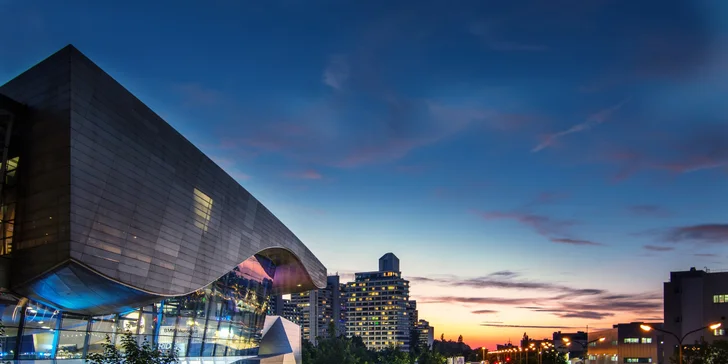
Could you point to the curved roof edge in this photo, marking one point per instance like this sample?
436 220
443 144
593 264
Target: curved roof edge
76 287
292 275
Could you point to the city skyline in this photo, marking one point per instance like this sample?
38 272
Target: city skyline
544 169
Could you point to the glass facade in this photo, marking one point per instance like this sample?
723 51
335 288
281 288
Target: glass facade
223 319
8 195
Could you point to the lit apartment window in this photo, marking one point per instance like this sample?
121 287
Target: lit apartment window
631 340
638 360
647 340
720 298
614 358
719 332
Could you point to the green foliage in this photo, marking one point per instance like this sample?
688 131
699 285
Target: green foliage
342 350
553 357
431 357
452 348
704 353
394 356
336 350
132 353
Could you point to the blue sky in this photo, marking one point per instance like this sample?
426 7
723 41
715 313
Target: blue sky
518 150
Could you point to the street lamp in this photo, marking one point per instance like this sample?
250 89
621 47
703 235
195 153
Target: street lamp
584 347
483 353
520 354
649 328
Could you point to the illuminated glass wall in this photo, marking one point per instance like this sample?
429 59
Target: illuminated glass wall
222 319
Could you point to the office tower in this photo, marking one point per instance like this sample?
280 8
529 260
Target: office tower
693 300
119 218
377 304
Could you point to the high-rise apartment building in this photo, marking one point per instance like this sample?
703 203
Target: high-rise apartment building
412 313
377 306
695 299
279 306
426 334
319 310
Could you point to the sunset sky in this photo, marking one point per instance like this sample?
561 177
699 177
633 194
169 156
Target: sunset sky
537 164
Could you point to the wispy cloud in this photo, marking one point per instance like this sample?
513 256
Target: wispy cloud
336 72
649 210
476 300
591 121
530 326
484 312
503 273
307 174
700 147
702 234
557 230
575 242
504 280
656 248
706 255
565 301
548 198
649 319
586 315
542 224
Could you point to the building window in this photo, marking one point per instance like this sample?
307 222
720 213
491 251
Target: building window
638 360
631 340
614 358
647 340
202 207
720 298
719 332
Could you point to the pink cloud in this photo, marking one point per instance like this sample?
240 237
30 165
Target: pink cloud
692 151
704 233
307 174
649 210
543 225
656 248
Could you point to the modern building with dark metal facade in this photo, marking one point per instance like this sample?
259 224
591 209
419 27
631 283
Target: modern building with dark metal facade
113 221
